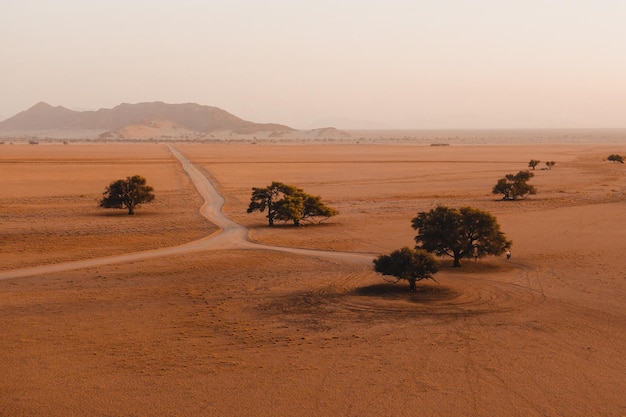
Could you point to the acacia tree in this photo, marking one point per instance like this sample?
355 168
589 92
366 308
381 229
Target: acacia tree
533 163
313 207
550 164
407 264
288 203
616 158
290 208
463 233
264 199
128 193
514 186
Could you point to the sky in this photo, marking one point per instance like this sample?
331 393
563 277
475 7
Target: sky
391 64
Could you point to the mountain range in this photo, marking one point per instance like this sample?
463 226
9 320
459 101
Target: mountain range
125 120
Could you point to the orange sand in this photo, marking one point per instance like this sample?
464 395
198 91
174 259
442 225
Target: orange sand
263 333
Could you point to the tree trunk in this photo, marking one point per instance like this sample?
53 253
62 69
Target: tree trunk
412 286
457 261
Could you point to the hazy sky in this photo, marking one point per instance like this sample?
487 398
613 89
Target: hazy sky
348 63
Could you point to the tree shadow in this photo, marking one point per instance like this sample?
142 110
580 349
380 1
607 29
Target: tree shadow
278 225
488 265
424 294
123 213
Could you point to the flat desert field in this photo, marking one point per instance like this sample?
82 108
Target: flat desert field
255 330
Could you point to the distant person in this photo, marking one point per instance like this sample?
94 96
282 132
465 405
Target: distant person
508 255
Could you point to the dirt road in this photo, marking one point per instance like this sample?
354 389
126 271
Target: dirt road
231 235
227 326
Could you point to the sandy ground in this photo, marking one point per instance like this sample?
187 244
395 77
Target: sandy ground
49 203
260 332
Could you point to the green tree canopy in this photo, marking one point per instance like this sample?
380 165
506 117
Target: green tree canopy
128 193
462 233
264 198
533 163
514 186
407 264
288 203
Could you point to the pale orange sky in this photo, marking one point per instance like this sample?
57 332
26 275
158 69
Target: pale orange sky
351 64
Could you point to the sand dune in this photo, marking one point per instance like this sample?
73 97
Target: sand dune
260 332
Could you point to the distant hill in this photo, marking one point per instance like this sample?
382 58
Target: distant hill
188 117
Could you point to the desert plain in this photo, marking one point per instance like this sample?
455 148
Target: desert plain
256 330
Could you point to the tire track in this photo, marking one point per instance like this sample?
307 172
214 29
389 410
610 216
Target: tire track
352 297
461 296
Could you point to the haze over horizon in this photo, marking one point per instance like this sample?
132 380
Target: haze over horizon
367 64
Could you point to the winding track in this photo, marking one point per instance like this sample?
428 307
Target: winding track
231 235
